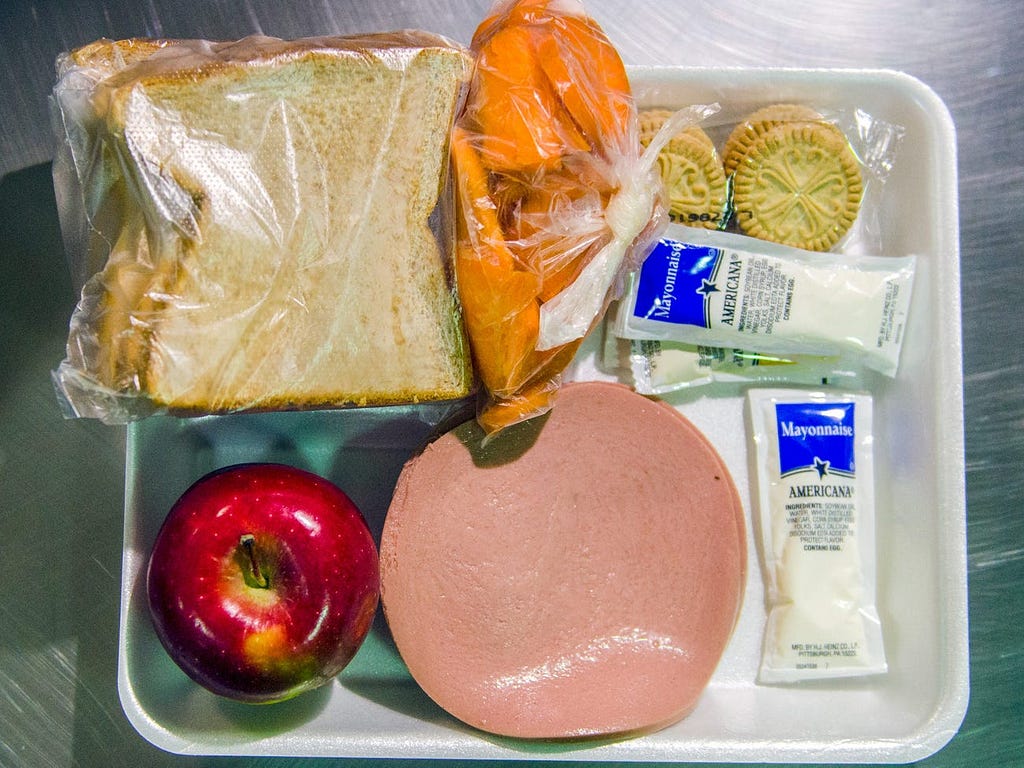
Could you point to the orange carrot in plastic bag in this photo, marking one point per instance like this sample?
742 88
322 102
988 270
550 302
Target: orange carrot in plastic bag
554 201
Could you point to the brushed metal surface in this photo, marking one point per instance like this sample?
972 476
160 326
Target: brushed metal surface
61 484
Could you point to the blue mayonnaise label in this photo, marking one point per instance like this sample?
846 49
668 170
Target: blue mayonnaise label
817 438
816 506
675 283
717 289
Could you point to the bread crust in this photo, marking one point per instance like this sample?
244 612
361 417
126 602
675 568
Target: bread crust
274 194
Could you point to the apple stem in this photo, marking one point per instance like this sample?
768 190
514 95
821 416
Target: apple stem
248 543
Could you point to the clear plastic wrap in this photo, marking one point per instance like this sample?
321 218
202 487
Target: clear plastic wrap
260 224
790 173
788 182
556 201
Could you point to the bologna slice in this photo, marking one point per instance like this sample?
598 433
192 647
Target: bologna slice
579 574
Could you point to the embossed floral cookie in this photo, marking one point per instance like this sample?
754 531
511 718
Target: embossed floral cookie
746 133
691 171
798 184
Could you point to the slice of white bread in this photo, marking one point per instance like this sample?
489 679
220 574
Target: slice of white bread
277 241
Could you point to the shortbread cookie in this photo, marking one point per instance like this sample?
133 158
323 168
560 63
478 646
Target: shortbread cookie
798 184
651 120
747 132
691 171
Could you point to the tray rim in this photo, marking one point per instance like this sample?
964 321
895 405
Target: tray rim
933 733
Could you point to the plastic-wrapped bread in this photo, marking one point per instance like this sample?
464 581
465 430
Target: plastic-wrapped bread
259 224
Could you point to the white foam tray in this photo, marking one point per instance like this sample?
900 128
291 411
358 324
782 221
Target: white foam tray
374 709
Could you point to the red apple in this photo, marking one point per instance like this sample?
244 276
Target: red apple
263 582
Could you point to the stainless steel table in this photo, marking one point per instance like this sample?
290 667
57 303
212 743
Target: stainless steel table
61 483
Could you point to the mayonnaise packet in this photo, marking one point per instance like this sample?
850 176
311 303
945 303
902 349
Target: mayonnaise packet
816 509
658 367
719 289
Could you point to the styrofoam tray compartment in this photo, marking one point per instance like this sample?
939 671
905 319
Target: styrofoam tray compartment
374 709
